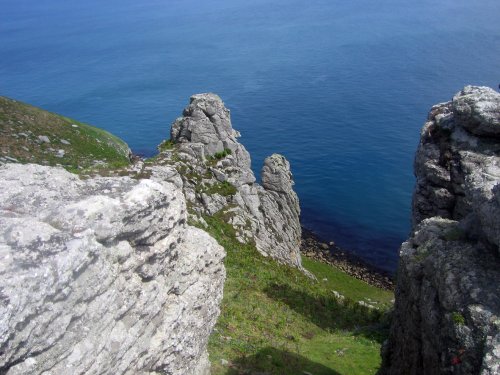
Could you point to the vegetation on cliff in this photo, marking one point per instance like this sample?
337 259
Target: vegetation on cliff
276 320
33 135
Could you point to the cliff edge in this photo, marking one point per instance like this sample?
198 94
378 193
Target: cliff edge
101 273
447 311
33 135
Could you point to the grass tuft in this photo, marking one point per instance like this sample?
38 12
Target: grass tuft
221 154
458 318
222 188
166 145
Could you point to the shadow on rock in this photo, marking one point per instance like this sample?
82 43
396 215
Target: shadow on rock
274 361
332 313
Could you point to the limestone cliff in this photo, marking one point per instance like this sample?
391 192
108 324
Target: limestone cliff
447 312
103 276
217 179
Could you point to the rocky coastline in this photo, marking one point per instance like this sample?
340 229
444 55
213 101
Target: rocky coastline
106 270
312 246
217 179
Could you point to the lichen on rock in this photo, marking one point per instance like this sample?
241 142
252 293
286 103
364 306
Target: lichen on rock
447 311
103 276
207 154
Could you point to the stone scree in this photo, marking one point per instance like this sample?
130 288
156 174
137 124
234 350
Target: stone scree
447 311
103 276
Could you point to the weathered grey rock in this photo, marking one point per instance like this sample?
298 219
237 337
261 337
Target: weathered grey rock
43 139
276 175
210 160
476 108
103 276
447 304
207 121
447 312
456 170
279 219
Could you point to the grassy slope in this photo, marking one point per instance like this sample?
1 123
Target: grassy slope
274 320
21 124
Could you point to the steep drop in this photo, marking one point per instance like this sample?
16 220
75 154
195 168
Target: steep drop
447 311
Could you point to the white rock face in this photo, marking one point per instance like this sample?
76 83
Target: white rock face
102 276
279 231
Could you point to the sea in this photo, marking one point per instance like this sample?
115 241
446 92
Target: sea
341 88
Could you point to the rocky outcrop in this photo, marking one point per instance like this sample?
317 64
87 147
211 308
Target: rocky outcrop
205 129
103 275
218 180
457 163
447 312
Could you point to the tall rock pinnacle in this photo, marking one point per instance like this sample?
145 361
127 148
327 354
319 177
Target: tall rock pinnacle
217 178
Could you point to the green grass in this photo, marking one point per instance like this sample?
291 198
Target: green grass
212 160
21 125
223 188
166 145
458 318
222 154
348 285
275 320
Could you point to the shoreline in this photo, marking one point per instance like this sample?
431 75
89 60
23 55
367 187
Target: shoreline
314 247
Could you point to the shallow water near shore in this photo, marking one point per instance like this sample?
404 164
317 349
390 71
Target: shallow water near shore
340 88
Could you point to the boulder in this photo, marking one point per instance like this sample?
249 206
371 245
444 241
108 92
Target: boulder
476 108
103 276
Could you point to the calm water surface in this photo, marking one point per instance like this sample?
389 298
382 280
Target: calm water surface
341 88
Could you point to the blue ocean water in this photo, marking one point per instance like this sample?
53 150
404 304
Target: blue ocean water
341 88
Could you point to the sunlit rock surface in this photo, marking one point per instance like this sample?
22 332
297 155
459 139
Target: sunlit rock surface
217 177
103 276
